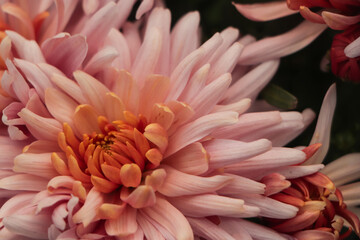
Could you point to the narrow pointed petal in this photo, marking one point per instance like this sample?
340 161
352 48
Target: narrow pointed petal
353 50
281 45
338 21
150 231
208 230
101 60
243 185
264 11
69 87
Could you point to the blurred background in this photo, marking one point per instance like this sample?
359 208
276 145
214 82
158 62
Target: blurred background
298 74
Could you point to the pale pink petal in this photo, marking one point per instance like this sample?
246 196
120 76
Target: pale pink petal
338 21
139 234
212 46
291 172
41 146
249 123
114 107
264 11
65 52
35 226
196 130
58 216
16 204
275 183
8 151
92 89
101 60
124 225
193 206
38 164
208 230
240 107
5 48
117 40
281 45
26 49
132 36
36 105
69 87
149 230
53 232
16 83
88 211
195 84
181 184
258 231
234 228
6 234
243 185
144 7
60 105
249 85
40 127
323 126
206 99
169 218
224 152
344 169
351 194
182 38
90 6
50 201
192 159
147 57
34 75
24 182
269 207
142 196
68 234
226 62
353 49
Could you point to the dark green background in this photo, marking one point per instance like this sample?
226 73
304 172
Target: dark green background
299 73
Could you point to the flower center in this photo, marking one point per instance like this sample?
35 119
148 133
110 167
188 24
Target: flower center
115 157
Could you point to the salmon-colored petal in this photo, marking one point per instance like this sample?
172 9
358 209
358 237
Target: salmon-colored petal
101 60
117 40
149 229
69 87
130 175
142 196
110 211
275 183
182 184
234 228
299 222
86 119
195 84
156 134
182 114
16 204
264 11
50 201
170 218
314 234
35 164
24 25
103 185
124 225
208 230
241 184
196 130
58 216
310 15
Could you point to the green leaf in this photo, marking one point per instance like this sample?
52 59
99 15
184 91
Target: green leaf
278 97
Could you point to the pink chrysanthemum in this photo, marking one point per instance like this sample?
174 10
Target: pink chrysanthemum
152 138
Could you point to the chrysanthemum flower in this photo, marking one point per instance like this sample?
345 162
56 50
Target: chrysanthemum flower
151 140
338 15
322 197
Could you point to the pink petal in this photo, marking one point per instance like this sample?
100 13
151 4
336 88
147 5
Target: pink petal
208 230
275 183
206 99
291 172
90 6
65 52
144 7
169 218
314 235
132 36
28 225
92 89
182 37
150 231
41 146
338 21
281 45
117 40
69 87
240 107
50 202
16 204
35 164
353 50
193 206
102 59
192 159
88 211
234 228
224 152
250 85
181 184
8 151
58 216
323 126
24 182
114 107
85 120
198 129
26 49
124 225
15 83
264 11
142 196
243 185
40 127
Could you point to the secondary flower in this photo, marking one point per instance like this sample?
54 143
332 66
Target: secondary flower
322 206
338 15
136 142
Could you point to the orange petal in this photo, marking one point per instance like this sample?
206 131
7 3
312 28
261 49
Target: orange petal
156 178
110 211
154 156
130 175
59 165
142 196
297 202
156 134
321 180
311 150
76 171
70 136
103 185
141 142
111 173
136 156
79 190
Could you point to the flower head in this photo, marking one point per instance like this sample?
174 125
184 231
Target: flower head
134 141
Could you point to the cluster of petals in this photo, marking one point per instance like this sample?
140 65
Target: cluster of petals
327 200
141 133
336 14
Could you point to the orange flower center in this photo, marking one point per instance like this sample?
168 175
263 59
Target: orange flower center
116 157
